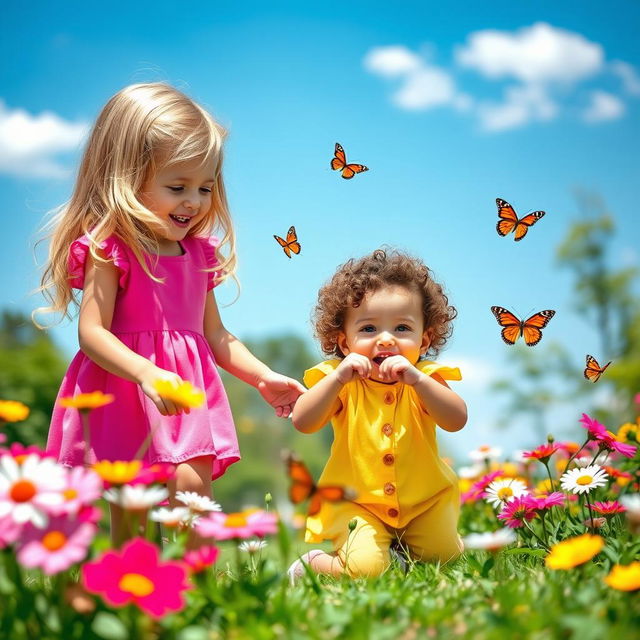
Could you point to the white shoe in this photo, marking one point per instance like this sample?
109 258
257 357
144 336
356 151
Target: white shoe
297 570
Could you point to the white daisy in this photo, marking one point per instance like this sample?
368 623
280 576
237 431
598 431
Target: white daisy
171 517
504 490
490 540
471 472
584 480
28 491
485 452
252 546
136 498
587 460
196 502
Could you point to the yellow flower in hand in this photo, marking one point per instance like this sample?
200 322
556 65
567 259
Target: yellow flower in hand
574 551
183 394
13 411
87 401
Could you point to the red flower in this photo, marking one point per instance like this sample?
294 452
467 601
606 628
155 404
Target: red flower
136 575
542 453
608 508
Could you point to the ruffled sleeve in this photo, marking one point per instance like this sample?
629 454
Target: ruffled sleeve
112 249
209 246
446 373
315 374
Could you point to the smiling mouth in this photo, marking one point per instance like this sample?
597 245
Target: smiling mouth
381 358
180 219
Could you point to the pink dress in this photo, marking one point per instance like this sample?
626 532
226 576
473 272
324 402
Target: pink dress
164 323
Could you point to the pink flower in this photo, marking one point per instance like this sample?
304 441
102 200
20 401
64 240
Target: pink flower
541 503
199 559
156 473
605 438
477 488
542 453
10 531
135 574
54 549
18 451
245 524
516 511
84 486
608 508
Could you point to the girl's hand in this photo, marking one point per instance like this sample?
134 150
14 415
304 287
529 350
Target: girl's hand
280 392
396 368
165 406
354 364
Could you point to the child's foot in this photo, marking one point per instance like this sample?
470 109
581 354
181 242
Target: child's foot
297 570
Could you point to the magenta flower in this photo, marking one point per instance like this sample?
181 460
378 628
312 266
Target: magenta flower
604 438
10 531
135 574
608 508
156 473
516 511
477 488
224 526
541 503
63 543
199 559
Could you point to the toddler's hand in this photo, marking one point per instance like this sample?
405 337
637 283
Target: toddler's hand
280 392
165 406
354 364
396 368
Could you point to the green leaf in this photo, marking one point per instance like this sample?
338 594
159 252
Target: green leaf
109 626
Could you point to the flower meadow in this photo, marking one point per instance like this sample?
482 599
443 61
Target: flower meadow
552 539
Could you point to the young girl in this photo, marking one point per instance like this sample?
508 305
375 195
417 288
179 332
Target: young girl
378 317
135 237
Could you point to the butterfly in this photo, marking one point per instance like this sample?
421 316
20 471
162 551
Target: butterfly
303 487
509 220
593 370
291 244
530 329
339 163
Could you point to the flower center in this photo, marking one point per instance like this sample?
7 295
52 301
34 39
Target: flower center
584 480
235 520
505 492
23 491
54 540
70 494
136 584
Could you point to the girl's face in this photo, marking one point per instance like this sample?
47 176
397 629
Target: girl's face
388 322
180 196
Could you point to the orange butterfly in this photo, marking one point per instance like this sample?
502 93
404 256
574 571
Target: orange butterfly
530 329
509 220
303 487
339 163
291 244
593 370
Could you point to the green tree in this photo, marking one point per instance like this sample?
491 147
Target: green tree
31 369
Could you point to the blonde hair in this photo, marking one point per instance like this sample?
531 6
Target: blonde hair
143 128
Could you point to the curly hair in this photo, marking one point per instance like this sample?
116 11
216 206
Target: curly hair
354 279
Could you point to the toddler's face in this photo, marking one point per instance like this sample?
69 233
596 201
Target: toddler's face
180 196
387 322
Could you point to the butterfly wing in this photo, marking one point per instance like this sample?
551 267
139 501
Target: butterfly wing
292 241
351 169
283 243
508 217
593 370
328 494
511 326
528 221
302 485
531 329
339 161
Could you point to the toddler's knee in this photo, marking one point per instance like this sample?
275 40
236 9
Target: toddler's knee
365 564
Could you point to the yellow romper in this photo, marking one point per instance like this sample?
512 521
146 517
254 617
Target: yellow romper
384 447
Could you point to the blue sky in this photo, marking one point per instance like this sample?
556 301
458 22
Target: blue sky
450 105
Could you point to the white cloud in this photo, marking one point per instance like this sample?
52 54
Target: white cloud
603 106
540 53
522 104
629 76
392 61
29 144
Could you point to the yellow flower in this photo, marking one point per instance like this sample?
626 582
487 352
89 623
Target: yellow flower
12 411
87 401
628 432
624 578
574 551
117 472
543 488
184 394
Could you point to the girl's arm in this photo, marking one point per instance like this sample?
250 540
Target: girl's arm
446 407
99 344
279 391
321 402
